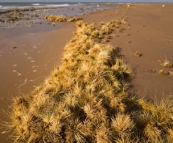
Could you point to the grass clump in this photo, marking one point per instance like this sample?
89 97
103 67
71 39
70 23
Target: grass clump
62 18
72 19
85 100
166 63
164 72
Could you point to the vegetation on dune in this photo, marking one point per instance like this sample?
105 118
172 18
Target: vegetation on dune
85 100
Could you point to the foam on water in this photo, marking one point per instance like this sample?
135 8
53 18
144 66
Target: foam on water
35 4
57 5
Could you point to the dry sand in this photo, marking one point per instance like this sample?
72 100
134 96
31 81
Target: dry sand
149 31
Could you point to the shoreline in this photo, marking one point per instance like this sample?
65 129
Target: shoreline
144 32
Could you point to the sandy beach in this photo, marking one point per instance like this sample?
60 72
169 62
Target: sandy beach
27 57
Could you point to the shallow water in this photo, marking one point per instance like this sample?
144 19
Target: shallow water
34 20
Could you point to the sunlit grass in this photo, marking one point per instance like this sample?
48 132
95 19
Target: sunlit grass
85 100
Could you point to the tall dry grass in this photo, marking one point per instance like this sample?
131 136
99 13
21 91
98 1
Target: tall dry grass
85 100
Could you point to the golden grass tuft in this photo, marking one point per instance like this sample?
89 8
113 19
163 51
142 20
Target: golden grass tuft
166 63
62 18
85 100
164 72
72 19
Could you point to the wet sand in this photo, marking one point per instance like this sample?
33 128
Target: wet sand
27 58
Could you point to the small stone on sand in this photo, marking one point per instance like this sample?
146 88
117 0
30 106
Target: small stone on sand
14 47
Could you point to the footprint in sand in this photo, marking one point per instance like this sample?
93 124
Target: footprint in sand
14 71
14 65
25 54
29 58
19 74
32 61
34 70
35 47
24 82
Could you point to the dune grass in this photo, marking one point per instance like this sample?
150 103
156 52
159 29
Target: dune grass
85 100
166 63
62 18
